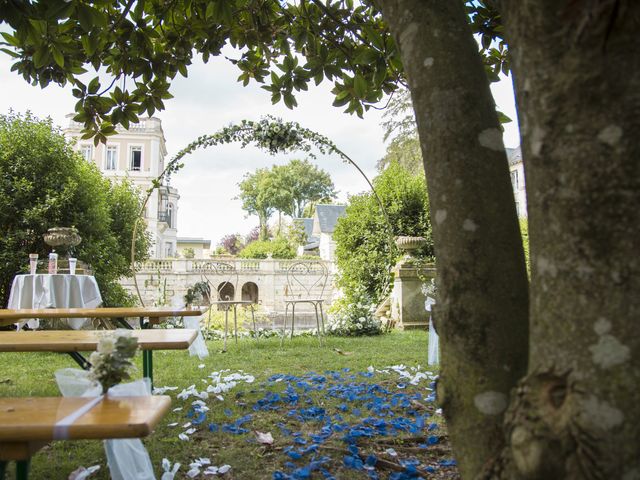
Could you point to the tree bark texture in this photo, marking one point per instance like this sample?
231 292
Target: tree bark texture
577 70
483 288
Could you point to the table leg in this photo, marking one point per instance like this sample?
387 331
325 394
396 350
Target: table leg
315 306
123 323
322 318
22 469
284 326
235 322
143 325
226 328
253 320
293 318
80 360
147 365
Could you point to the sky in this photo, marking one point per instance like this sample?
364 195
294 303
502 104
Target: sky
211 98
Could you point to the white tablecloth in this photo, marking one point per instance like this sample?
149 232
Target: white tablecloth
55 291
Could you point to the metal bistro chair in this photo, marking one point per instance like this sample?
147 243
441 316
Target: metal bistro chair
304 280
224 287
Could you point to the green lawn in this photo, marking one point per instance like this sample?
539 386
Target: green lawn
324 395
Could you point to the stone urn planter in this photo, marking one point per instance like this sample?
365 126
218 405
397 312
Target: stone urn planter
62 237
409 245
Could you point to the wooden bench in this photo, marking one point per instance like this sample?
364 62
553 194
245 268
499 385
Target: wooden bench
74 341
27 424
154 315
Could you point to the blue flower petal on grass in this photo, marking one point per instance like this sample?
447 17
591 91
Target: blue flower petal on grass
433 439
300 441
353 462
448 463
371 460
228 412
294 455
213 427
280 476
327 474
432 426
202 416
301 473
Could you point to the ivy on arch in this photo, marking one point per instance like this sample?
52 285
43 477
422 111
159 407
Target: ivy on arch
270 134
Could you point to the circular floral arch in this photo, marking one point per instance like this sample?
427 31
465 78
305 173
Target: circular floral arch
270 134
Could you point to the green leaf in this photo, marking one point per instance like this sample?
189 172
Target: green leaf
10 39
360 86
289 100
57 56
9 52
503 118
93 86
41 57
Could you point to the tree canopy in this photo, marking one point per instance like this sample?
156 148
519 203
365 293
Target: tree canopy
287 189
143 46
46 184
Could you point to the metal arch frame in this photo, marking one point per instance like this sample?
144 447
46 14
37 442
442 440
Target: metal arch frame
293 283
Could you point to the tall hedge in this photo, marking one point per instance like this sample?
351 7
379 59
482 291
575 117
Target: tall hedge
364 252
44 184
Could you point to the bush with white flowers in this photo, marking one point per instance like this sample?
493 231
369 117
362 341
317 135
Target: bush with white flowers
353 318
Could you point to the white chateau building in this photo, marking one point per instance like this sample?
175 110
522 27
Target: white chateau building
138 154
516 169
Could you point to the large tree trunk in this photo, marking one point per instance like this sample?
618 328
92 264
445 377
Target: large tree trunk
577 71
483 312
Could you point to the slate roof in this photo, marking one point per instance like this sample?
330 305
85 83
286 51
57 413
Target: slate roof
514 155
307 224
327 217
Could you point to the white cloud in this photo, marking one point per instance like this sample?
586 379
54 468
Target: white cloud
211 98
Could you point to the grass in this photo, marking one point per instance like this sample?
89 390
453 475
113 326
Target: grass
25 374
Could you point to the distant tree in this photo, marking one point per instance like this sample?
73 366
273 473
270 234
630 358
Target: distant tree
45 184
255 196
304 184
286 189
231 243
188 253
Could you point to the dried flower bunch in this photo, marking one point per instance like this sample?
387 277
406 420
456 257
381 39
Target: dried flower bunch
111 363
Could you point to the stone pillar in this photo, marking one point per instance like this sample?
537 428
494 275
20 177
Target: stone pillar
407 304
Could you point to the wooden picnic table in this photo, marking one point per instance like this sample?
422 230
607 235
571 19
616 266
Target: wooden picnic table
154 315
27 424
74 341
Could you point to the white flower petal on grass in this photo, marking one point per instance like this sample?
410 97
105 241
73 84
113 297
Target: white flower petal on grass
186 425
174 424
177 409
224 469
183 437
82 473
191 431
193 473
169 473
201 365
391 451
264 438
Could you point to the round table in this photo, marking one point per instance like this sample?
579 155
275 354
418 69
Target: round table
55 291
